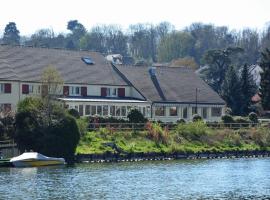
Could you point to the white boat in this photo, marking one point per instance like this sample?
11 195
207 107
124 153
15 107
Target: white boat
34 159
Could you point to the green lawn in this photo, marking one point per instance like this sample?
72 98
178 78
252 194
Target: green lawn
192 138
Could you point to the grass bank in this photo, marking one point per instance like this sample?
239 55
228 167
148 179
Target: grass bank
185 138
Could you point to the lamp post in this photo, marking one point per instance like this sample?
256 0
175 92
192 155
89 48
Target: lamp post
196 101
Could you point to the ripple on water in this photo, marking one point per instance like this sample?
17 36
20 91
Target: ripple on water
182 179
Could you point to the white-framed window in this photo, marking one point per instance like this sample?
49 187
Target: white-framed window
87 110
160 111
2 88
111 92
112 111
185 112
31 89
216 112
173 111
105 110
194 110
204 113
75 90
99 110
93 110
123 111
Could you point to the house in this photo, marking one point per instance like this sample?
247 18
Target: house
94 86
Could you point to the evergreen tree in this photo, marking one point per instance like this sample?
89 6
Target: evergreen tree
248 87
265 79
231 91
11 34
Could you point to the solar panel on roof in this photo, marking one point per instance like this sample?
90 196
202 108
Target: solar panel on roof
88 60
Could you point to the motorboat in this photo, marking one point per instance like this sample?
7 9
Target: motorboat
34 159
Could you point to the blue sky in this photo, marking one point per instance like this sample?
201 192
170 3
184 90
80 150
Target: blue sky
31 15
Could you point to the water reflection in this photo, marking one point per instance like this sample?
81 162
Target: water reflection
185 179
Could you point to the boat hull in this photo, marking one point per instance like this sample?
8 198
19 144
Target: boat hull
37 163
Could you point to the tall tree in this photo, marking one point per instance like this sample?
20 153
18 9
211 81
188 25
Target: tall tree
218 61
231 91
11 34
248 87
77 32
265 79
175 45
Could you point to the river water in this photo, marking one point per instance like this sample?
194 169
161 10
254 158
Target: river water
181 179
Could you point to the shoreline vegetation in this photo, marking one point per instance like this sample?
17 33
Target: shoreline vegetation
185 141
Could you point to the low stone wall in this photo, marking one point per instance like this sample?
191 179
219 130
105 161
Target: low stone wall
110 157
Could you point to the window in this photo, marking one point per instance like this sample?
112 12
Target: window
39 89
99 110
75 90
173 111
160 111
31 88
87 110
128 109
108 92
194 110
117 111
204 113
216 112
81 110
114 92
2 87
112 111
123 111
185 112
105 110
93 110
88 60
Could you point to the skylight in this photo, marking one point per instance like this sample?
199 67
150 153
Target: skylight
88 60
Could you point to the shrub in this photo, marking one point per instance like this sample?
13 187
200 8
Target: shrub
228 111
227 119
192 131
135 116
253 117
58 137
180 121
155 132
74 113
196 118
82 125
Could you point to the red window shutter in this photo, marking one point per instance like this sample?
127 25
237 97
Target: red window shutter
103 92
7 87
121 92
84 91
66 90
25 89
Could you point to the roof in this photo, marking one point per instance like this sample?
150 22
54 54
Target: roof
27 64
171 84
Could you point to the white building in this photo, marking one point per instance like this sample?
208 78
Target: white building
94 86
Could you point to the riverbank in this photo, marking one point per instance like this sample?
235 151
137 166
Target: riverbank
188 141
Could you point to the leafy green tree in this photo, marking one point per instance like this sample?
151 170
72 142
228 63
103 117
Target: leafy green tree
135 116
11 34
231 91
77 32
218 62
248 87
265 79
175 45
60 138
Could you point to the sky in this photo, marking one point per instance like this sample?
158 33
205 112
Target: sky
32 15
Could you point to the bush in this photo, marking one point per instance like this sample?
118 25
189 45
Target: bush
192 131
58 137
253 117
82 125
74 113
196 118
242 120
180 121
156 133
135 116
227 119
228 111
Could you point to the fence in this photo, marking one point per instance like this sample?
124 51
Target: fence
169 126
8 149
